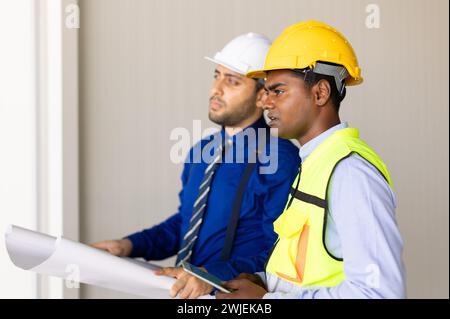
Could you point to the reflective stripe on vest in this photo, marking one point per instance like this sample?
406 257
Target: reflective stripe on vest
300 255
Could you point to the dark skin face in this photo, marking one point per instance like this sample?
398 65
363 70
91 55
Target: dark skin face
296 110
299 112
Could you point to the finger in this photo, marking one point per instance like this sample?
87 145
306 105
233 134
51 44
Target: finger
228 295
221 295
243 276
113 250
176 287
99 245
235 283
186 292
179 272
175 272
190 288
199 288
167 271
201 292
110 246
160 271
207 289
195 294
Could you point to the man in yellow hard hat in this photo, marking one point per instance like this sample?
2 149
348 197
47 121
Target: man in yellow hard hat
230 195
337 237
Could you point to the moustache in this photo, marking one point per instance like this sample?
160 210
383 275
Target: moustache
217 99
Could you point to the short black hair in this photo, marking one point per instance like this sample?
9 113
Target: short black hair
259 84
310 78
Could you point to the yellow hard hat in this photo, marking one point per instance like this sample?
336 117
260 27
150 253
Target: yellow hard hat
303 44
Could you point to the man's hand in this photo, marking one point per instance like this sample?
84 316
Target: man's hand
253 278
245 289
120 247
186 286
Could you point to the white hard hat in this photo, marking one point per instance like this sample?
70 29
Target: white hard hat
244 53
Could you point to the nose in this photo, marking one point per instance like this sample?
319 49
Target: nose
267 102
261 101
217 88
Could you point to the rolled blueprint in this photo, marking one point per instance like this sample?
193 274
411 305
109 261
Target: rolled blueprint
60 257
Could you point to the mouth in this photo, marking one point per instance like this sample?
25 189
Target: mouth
273 120
215 104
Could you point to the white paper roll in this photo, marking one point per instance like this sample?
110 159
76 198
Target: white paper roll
60 257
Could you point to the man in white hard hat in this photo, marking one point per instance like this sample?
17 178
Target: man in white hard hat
228 203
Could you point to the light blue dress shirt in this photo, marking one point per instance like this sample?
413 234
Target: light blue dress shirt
361 229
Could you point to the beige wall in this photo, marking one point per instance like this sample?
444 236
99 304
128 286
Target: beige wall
142 73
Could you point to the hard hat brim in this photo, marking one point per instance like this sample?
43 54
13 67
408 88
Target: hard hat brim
257 74
228 66
262 74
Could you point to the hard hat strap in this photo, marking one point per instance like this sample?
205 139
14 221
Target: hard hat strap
339 73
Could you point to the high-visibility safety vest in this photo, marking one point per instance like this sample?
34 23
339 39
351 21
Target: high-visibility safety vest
300 255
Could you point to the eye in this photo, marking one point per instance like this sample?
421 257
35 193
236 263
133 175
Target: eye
278 92
233 82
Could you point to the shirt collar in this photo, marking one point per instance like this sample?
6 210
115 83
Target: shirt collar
309 147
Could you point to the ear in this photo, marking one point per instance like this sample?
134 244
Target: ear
260 97
321 92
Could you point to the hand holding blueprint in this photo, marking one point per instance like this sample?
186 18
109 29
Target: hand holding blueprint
60 257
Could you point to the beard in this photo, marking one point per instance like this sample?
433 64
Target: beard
232 116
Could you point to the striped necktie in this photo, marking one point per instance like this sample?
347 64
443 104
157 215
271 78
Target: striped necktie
189 239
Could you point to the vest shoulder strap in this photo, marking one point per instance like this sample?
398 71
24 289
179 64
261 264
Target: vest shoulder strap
308 198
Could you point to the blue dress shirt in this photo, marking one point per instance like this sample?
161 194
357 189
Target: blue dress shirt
262 203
